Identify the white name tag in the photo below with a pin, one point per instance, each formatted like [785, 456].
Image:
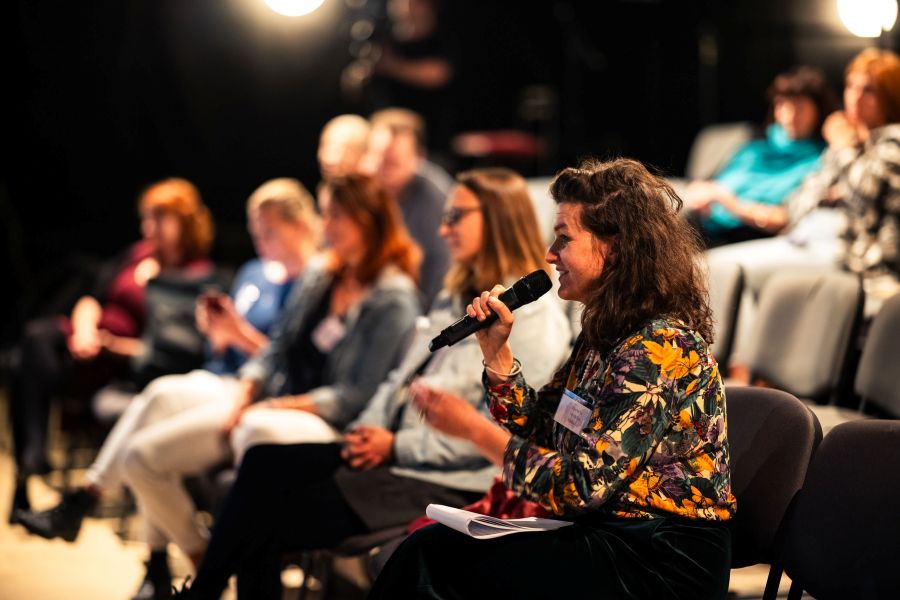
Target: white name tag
[328, 333]
[573, 412]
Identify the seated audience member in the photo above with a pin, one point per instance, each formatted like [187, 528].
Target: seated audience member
[342, 145]
[80, 353]
[343, 329]
[285, 229]
[396, 156]
[392, 463]
[453, 416]
[846, 214]
[628, 441]
[738, 204]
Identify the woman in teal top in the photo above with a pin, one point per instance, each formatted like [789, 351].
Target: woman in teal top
[735, 206]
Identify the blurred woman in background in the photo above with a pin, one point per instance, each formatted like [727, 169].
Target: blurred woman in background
[846, 215]
[745, 200]
[344, 327]
[286, 232]
[80, 353]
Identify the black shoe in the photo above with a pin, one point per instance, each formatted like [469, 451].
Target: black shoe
[63, 520]
[20, 501]
[184, 593]
[157, 584]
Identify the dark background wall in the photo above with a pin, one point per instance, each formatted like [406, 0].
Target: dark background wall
[104, 96]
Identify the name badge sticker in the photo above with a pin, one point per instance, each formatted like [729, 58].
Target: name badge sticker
[328, 333]
[573, 412]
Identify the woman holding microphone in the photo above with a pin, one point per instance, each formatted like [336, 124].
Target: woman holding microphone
[628, 440]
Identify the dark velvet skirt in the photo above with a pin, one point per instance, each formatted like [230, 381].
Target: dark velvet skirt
[658, 559]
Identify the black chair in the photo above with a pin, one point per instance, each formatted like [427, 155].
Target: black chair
[772, 436]
[843, 538]
[320, 563]
[172, 343]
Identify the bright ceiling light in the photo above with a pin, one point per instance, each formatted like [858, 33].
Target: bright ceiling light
[294, 8]
[867, 18]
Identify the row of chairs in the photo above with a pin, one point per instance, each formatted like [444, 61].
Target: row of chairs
[823, 514]
[808, 329]
[821, 510]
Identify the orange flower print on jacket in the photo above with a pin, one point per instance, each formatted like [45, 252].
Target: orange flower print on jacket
[656, 442]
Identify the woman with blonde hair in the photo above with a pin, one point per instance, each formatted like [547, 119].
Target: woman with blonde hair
[80, 353]
[390, 462]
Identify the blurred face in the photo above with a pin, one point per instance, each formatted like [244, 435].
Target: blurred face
[462, 225]
[339, 151]
[392, 157]
[344, 235]
[797, 115]
[273, 237]
[163, 228]
[576, 254]
[411, 14]
[861, 102]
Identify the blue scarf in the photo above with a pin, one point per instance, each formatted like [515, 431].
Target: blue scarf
[766, 171]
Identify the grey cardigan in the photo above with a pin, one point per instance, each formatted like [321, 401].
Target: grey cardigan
[540, 339]
[377, 332]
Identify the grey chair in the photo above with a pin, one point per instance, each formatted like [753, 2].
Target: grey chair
[876, 376]
[772, 437]
[843, 538]
[726, 284]
[713, 146]
[879, 364]
[806, 322]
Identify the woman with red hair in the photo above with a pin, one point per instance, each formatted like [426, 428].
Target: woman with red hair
[81, 352]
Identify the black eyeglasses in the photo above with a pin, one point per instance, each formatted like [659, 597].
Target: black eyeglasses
[454, 215]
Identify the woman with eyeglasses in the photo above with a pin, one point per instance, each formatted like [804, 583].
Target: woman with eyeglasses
[391, 463]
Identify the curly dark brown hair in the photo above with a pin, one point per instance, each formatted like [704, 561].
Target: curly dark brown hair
[653, 268]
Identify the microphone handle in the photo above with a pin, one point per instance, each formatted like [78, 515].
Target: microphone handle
[468, 325]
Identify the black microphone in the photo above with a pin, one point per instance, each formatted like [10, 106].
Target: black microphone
[528, 289]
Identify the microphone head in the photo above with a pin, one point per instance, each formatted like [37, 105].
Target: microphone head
[532, 286]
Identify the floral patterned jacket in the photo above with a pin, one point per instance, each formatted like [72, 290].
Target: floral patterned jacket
[655, 443]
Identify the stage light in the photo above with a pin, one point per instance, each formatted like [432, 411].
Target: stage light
[867, 18]
[294, 8]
